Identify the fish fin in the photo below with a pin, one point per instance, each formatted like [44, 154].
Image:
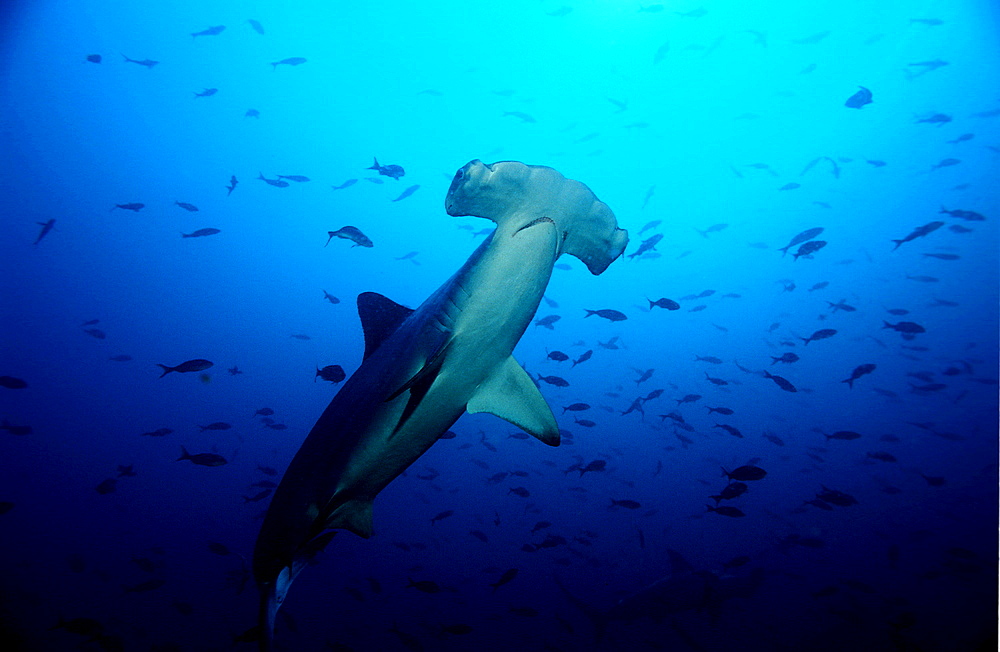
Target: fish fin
[354, 515]
[510, 394]
[380, 317]
[421, 381]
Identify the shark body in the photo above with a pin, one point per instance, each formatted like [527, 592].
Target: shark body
[424, 368]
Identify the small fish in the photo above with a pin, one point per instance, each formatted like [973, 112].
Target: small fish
[232, 185]
[936, 118]
[882, 456]
[547, 321]
[780, 382]
[626, 503]
[333, 373]
[746, 473]
[291, 61]
[351, 233]
[689, 398]
[425, 586]
[107, 486]
[607, 313]
[208, 92]
[15, 430]
[594, 466]
[553, 380]
[646, 245]
[443, 515]
[520, 115]
[257, 27]
[191, 208]
[211, 31]
[726, 510]
[558, 356]
[859, 99]
[945, 163]
[507, 576]
[809, 248]
[715, 228]
[277, 183]
[202, 459]
[906, 327]
[971, 216]
[787, 358]
[134, 206]
[218, 425]
[790, 186]
[186, 367]
[669, 304]
[200, 233]
[297, 178]
[95, 333]
[821, 334]
[576, 407]
[730, 429]
[218, 548]
[808, 234]
[329, 297]
[406, 193]
[94, 58]
[843, 435]
[519, 491]
[391, 171]
[46, 227]
[348, 183]
[583, 357]
[721, 410]
[858, 372]
[148, 63]
[11, 382]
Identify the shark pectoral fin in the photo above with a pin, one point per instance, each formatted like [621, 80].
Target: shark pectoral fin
[510, 394]
[355, 516]
[380, 317]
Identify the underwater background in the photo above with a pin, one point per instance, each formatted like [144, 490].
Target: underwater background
[728, 129]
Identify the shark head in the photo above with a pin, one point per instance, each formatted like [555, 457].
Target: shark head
[516, 195]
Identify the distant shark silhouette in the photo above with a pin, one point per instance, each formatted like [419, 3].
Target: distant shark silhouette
[424, 368]
[683, 590]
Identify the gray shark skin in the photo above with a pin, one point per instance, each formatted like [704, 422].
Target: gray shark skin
[424, 368]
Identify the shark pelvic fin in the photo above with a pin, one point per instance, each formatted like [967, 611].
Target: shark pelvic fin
[510, 394]
[380, 317]
[354, 515]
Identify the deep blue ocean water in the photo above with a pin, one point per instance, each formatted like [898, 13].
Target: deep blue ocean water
[721, 126]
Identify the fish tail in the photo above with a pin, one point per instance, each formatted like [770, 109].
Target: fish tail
[375, 166]
[898, 242]
[850, 382]
[725, 473]
[166, 369]
[886, 325]
[184, 455]
[589, 313]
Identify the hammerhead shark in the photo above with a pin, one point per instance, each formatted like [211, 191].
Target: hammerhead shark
[422, 369]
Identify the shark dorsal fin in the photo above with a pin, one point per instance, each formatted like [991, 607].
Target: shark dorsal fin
[510, 394]
[380, 317]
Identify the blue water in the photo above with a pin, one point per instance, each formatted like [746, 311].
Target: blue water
[692, 114]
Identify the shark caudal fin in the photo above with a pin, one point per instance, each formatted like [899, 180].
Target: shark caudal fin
[510, 191]
[273, 590]
[510, 394]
